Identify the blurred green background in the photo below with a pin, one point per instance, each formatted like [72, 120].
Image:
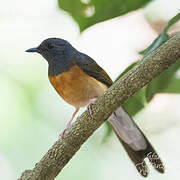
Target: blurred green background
[32, 114]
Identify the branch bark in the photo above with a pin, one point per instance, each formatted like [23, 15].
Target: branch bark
[64, 149]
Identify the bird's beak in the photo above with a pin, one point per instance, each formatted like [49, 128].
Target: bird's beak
[32, 50]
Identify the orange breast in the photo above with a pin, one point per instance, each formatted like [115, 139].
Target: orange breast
[76, 87]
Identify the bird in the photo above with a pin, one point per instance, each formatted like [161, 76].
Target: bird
[79, 80]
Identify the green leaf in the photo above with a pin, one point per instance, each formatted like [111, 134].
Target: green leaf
[163, 83]
[162, 38]
[108, 132]
[156, 43]
[172, 21]
[89, 12]
[136, 102]
[173, 87]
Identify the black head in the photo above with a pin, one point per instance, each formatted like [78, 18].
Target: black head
[54, 49]
[58, 52]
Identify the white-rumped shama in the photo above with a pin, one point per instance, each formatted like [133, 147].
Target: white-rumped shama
[79, 80]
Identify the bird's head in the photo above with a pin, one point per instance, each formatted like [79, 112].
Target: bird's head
[54, 49]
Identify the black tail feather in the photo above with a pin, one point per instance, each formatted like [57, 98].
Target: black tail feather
[138, 157]
[135, 143]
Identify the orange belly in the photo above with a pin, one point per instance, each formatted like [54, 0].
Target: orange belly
[76, 87]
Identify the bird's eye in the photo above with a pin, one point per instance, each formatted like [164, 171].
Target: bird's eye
[50, 46]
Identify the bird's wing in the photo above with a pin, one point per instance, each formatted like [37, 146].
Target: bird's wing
[90, 67]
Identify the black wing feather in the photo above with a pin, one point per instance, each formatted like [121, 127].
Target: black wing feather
[90, 67]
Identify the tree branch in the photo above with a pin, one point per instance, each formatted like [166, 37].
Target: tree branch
[64, 149]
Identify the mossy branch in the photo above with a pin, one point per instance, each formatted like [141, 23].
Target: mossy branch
[64, 149]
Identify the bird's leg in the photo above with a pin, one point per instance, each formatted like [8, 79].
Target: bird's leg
[74, 114]
[69, 123]
[89, 108]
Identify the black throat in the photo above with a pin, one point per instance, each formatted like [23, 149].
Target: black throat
[59, 66]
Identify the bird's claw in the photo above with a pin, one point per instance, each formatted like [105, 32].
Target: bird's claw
[89, 107]
[61, 135]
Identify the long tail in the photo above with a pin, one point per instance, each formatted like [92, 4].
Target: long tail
[135, 142]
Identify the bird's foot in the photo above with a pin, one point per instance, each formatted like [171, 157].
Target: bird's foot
[89, 108]
[61, 135]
